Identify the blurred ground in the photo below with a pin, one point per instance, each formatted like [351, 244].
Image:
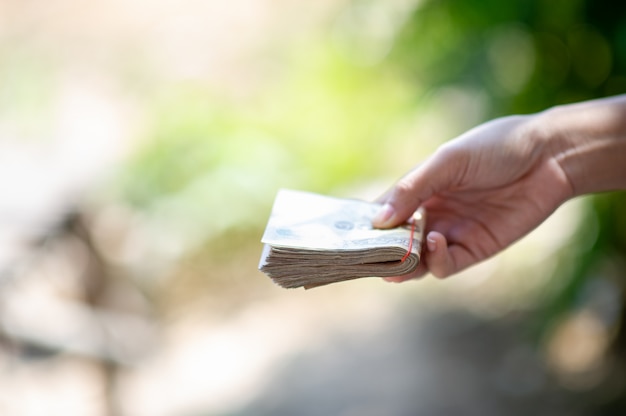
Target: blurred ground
[130, 223]
[422, 362]
[233, 343]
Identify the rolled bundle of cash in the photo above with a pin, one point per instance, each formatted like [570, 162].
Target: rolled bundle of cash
[313, 240]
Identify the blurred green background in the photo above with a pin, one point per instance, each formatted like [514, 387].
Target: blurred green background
[142, 146]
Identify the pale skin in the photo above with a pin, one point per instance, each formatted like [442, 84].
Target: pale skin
[492, 185]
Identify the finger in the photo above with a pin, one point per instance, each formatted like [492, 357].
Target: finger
[412, 190]
[387, 194]
[443, 260]
[437, 256]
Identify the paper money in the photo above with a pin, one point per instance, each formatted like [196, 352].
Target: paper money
[313, 240]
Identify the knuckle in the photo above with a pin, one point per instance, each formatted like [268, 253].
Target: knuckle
[404, 187]
[404, 191]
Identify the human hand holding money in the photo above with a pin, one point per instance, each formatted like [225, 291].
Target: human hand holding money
[313, 240]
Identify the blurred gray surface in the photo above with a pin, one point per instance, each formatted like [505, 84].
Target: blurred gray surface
[447, 363]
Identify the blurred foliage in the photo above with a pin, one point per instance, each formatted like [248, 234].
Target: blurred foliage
[27, 92]
[321, 124]
[527, 56]
[325, 120]
[363, 98]
[213, 162]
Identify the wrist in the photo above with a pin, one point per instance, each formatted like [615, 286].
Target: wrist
[588, 142]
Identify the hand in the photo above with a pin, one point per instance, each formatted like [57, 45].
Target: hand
[481, 191]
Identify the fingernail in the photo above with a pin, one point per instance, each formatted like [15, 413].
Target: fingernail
[383, 217]
[431, 244]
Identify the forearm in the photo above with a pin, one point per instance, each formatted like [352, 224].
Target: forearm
[588, 141]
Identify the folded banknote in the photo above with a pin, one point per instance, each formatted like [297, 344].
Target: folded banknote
[313, 240]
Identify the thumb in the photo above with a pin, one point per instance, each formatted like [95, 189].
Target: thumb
[415, 188]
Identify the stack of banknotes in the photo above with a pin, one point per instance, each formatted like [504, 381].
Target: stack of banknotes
[313, 240]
